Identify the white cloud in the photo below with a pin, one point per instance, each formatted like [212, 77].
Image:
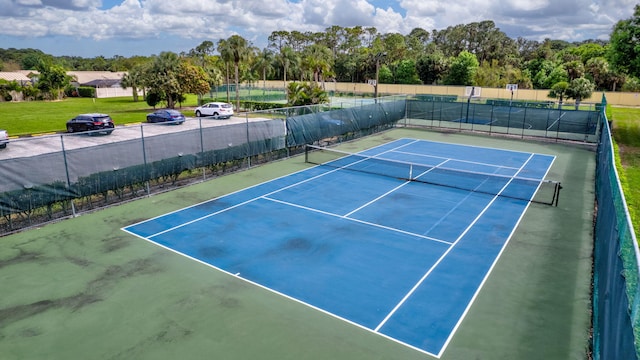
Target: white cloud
[426, 8]
[351, 13]
[529, 5]
[389, 21]
[72, 4]
[197, 20]
[189, 7]
[28, 3]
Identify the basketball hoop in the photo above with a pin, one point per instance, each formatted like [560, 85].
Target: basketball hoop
[512, 88]
[372, 82]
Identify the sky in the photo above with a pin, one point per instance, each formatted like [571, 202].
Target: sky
[90, 28]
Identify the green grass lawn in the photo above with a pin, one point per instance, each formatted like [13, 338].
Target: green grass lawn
[34, 117]
[626, 133]
[37, 117]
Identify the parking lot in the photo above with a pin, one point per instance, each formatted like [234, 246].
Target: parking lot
[37, 145]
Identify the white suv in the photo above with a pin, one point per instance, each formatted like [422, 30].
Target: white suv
[4, 139]
[217, 109]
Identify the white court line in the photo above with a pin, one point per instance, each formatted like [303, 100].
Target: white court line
[460, 203]
[559, 117]
[495, 261]
[392, 190]
[243, 203]
[237, 276]
[432, 268]
[358, 220]
[270, 193]
[474, 146]
[464, 199]
[376, 199]
[254, 186]
[457, 160]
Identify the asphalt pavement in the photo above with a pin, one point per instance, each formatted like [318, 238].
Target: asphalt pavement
[42, 144]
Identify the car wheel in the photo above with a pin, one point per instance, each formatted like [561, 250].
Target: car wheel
[109, 132]
[198, 113]
[2, 146]
[69, 128]
[216, 115]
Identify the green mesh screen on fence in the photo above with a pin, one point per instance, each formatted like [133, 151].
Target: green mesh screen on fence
[48, 181]
[79, 174]
[346, 123]
[524, 119]
[616, 322]
[247, 93]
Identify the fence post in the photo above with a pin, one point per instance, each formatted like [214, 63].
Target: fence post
[66, 170]
[248, 140]
[524, 122]
[144, 160]
[204, 168]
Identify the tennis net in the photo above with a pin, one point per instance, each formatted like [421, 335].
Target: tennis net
[521, 188]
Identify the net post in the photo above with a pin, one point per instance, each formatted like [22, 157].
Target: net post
[306, 153]
[556, 194]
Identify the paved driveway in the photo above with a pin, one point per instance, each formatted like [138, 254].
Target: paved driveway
[30, 146]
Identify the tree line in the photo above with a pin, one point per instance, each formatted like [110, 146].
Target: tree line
[477, 53]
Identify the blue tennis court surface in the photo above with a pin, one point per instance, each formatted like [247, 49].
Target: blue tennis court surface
[400, 258]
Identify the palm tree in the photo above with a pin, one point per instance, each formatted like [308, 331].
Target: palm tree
[559, 90]
[264, 64]
[579, 89]
[216, 77]
[296, 95]
[287, 57]
[240, 51]
[225, 53]
[318, 59]
[133, 80]
[202, 54]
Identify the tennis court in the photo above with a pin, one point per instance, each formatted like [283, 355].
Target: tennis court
[397, 239]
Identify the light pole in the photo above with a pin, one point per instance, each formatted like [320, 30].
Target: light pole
[375, 87]
[378, 57]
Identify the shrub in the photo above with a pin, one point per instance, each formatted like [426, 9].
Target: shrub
[153, 98]
[86, 91]
[80, 91]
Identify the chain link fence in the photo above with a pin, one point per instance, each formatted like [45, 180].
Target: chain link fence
[523, 119]
[68, 179]
[616, 292]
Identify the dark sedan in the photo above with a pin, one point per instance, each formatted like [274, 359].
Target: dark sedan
[91, 122]
[166, 115]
